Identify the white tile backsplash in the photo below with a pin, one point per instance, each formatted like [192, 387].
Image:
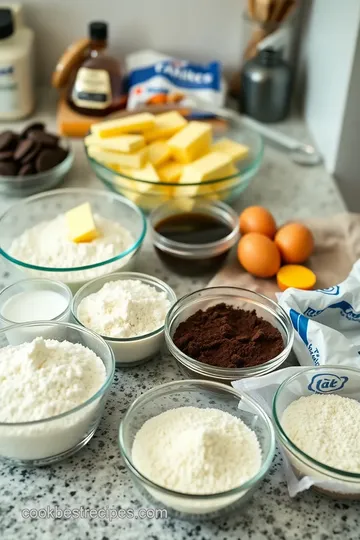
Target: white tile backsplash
[194, 29]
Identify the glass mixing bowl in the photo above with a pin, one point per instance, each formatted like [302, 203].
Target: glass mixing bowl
[33, 210]
[203, 394]
[224, 189]
[52, 439]
[345, 382]
[238, 298]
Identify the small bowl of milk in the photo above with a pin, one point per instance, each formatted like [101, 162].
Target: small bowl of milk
[32, 300]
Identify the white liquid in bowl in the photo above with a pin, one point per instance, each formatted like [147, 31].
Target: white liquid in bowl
[34, 305]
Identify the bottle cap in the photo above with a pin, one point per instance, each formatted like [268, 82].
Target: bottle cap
[6, 23]
[98, 31]
[270, 57]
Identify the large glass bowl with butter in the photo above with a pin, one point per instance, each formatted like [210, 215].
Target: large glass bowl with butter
[46, 207]
[148, 195]
[336, 380]
[239, 299]
[53, 438]
[205, 395]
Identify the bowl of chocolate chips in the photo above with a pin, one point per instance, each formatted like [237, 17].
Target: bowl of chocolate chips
[32, 161]
[228, 333]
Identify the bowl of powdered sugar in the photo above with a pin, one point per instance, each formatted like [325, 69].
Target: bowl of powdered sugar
[317, 420]
[128, 310]
[53, 390]
[36, 241]
[197, 448]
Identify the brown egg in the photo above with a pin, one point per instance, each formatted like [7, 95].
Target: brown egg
[295, 243]
[257, 219]
[259, 255]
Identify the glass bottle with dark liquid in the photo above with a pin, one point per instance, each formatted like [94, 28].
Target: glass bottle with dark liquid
[97, 86]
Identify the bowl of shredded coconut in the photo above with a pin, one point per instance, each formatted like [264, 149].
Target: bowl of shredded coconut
[53, 390]
[199, 449]
[317, 420]
[128, 310]
[36, 241]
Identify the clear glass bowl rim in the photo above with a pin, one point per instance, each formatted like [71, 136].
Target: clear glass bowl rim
[229, 373]
[98, 394]
[174, 385]
[58, 284]
[161, 241]
[289, 445]
[59, 192]
[64, 164]
[243, 174]
[117, 276]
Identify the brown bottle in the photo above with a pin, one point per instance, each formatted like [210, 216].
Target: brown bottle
[97, 86]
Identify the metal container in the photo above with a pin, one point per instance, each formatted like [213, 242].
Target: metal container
[266, 87]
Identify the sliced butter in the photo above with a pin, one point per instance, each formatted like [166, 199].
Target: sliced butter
[158, 153]
[135, 160]
[166, 125]
[234, 149]
[191, 142]
[171, 171]
[121, 143]
[135, 123]
[81, 224]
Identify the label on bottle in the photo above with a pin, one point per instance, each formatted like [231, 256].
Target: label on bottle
[9, 91]
[92, 89]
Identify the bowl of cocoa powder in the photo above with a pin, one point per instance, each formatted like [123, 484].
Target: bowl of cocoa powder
[228, 333]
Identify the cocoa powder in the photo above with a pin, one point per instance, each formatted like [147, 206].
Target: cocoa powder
[228, 337]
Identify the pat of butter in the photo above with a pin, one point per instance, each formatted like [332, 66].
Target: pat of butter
[122, 143]
[142, 192]
[234, 149]
[158, 153]
[209, 167]
[81, 224]
[135, 123]
[191, 142]
[135, 159]
[171, 171]
[166, 125]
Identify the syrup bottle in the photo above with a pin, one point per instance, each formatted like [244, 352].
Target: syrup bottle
[97, 86]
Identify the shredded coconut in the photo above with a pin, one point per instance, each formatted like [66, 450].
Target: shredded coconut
[327, 428]
[45, 378]
[47, 244]
[196, 451]
[123, 309]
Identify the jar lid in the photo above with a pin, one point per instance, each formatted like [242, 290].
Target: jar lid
[6, 23]
[98, 31]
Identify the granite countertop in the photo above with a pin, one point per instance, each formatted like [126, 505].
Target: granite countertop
[96, 476]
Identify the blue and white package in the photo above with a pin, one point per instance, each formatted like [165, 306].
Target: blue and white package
[154, 79]
[326, 322]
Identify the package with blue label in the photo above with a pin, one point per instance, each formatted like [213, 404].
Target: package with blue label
[326, 322]
[157, 79]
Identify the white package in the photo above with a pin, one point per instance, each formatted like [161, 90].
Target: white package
[326, 322]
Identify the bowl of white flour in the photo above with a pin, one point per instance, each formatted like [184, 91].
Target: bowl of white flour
[197, 448]
[128, 311]
[34, 238]
[317, 420]
[53, 390]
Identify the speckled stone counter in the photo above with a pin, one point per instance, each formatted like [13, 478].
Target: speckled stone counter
[96, 477]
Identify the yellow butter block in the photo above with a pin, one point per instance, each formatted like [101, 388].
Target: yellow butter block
[191, 142]
[135, 159]
[158, 153]
[122, 143]
[171, 171]
[81, 224]
[234, 149]
[135, 123]
[166, 125]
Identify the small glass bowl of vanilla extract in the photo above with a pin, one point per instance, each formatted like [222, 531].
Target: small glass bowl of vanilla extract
[193, 237]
